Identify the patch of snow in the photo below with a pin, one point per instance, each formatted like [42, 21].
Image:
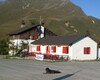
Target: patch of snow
[26, 5]
[72, 26]
[67, 24]
[93, 22]
[75, 30]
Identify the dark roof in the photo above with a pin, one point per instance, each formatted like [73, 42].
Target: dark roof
[59, 40]
[21, 30]
[27, 28]
[99, 44]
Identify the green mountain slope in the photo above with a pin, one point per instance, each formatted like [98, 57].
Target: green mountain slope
[60, 16]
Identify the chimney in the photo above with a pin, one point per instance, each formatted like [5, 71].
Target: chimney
[23, 24]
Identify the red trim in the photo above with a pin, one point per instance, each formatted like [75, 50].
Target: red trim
[47, 50]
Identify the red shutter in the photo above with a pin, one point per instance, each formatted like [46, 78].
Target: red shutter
[85, 50]
[65, 50]
[53, 48]
[38, 48]
[88, 50]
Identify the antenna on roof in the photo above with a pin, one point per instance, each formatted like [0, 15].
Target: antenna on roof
[23, 24]
[40, 20]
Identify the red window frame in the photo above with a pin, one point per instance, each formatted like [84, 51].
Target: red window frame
[47, 49]
[87, 50]
[38, 48]
[53, 48]
[65, 50]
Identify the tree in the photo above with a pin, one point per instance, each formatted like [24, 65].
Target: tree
[23, 50]
[4, 47]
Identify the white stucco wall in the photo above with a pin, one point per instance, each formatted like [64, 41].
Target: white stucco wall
[42, 29]
[32, 48]
[78, 49]
[43, 49]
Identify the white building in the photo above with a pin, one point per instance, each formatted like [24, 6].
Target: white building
[75, 47]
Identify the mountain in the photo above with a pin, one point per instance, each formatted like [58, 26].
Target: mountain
[61, 16]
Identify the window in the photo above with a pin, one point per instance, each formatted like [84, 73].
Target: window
[87, 50]
[38, 48]
[65, 50]
[53, 48]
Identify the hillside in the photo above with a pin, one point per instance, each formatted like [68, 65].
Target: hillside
[60, 16]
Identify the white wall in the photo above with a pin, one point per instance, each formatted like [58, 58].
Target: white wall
[32, 48]
[42, 29]
[78, 49]
[43, 49]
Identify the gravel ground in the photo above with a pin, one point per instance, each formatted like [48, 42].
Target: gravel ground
[12, 69]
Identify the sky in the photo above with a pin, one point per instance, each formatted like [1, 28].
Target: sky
[90, 7]
[2, 0]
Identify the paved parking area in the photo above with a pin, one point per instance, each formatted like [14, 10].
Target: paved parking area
[11, 69]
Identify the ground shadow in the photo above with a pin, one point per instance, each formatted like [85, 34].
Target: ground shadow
[66, 76]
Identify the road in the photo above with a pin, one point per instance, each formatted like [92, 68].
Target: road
[12, 69]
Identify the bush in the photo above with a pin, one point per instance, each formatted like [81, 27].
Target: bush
[4, 47]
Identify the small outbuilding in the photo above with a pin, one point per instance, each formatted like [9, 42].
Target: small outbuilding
[73, 47]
